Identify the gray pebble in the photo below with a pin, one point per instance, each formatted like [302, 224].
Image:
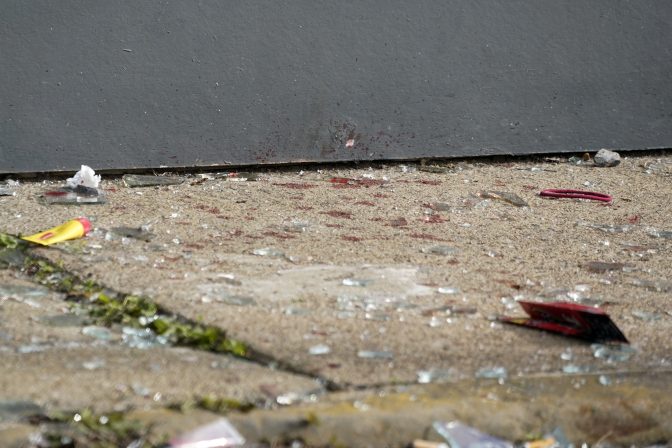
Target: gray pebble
[604, 157]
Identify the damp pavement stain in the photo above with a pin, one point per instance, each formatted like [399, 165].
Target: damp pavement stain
[347, 296]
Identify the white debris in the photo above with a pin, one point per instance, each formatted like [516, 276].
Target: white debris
[85, 177]
[605, 157]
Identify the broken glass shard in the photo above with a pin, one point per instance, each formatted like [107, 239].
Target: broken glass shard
[23, 291]
[605, 380]
[612, 352]
[646, 316]
[608, 228]
[74, 196]
[499, 373]
[139, 233]
[269, 252]
[319, 349]
[657, 286]
[509, 198]
[447, 290]
[100, 333]
[440, 250]
[573, 369]
[220, 433]
[375, 354]
[435, 375]
[459, 435]
[142, 338]
[666, 234]
[136, 180]
[600, 267]
[356, 282]
[94, 364]
[296, 226]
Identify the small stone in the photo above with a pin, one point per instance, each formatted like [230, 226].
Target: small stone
[604, 157]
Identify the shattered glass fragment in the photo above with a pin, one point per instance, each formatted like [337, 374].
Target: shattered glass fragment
[447, 290]
[9, 188]
[498, 372]
[612, 352]
[605, 380]
[100, 333]
[295, 311]
[142, 338]
[137, 180]
[646, 316]
[572, 369]
[435, 375]
[440, 250]
[269, 252]
[654, 233]
[509, 198]
[94, 364]
[74, 196]
[659, 167]
[139, 233]
[296, 226]
[374, 354]
[356, 282]
[220, 433]
[459, 435]
[657, 286]
[320, 349]
[607, 228]
[600, 267]
[23, 292]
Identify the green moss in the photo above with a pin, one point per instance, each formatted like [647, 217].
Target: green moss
[86, 428]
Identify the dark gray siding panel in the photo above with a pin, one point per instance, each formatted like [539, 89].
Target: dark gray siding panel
[130, 84]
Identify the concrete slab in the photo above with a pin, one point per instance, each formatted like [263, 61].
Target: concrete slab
[58, 361]
[201, 264]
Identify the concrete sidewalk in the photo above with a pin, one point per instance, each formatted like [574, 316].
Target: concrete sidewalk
[352, 282]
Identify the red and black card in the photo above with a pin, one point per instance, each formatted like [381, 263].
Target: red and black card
[569, 319]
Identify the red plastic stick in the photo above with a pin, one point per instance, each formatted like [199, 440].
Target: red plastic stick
[578, 194]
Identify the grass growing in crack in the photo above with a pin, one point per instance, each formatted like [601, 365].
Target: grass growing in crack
[211, 403]
[85, 428]
[108, 307]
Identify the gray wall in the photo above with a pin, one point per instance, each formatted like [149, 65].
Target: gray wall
[130, 84]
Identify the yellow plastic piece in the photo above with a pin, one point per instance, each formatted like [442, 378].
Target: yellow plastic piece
[71, 230]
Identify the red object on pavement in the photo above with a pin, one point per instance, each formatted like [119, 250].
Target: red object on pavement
[577, 194]
[570, 319]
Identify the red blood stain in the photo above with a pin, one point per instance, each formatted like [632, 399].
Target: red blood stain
[338, 214]
[295, 185]
[205, 208]
[351, 238]
[428, 182]
[344, 182]
[634, 219]
[369, 203]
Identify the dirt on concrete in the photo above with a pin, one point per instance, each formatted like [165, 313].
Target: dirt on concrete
[370, 279]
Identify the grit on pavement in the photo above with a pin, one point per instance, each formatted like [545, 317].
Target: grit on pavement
[372, 293]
